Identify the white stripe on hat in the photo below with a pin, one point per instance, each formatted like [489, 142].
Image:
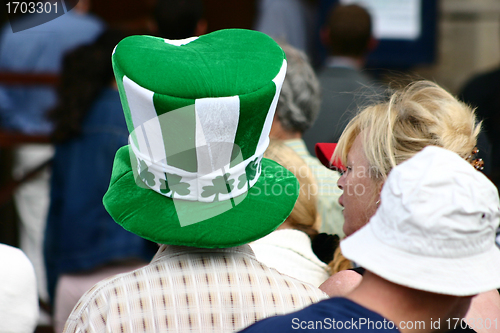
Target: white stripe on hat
[139, 98]
[216, 125]
[278, 81]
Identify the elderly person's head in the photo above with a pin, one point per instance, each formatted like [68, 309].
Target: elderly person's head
[299, 100]
[384, 135]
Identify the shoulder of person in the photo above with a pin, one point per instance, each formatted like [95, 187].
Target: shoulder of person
[341, 283]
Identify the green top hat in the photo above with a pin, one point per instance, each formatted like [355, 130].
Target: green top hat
[199, 112]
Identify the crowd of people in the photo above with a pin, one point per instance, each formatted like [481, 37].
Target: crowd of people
[184, 194]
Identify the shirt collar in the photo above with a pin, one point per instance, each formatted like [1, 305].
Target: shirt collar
[345, 62]
[175, 250]
[298, 146]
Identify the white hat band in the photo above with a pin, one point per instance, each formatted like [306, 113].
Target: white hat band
[219, 185]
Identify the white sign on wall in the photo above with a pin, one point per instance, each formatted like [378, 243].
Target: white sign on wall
[393, 19]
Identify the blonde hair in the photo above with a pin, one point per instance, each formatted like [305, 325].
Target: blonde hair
[420, 115]
[304, 215]
[339, 262]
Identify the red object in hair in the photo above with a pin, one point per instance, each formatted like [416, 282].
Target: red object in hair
[324, 152]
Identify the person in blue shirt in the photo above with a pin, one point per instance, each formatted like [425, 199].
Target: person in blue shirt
[23, 109]
[427, 251]
[83, 244]
[40, 49]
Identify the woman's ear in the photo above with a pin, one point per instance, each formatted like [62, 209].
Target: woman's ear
[276, 129]
[379, 187]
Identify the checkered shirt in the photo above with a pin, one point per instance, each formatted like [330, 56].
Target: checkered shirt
[329, 193]
[187, 289]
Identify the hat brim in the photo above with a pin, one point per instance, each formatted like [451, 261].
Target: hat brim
[463, 276]
[324, 152]
[153, 216]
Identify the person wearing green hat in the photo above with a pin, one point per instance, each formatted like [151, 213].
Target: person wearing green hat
[193, 179]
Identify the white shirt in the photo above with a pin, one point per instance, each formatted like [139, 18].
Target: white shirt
[289, 251]
[18, 292]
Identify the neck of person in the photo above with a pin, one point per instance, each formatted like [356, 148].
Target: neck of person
[278, 132]
[409, 309]
[344, 61]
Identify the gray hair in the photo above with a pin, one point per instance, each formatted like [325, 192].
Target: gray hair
[300, 99]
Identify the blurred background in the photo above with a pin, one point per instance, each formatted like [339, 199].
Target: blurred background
[447, 41]
[462, 37]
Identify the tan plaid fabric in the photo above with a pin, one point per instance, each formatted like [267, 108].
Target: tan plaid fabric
[191, 290]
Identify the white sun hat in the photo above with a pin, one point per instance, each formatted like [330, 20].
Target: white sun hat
[434, 229]
[18, 292]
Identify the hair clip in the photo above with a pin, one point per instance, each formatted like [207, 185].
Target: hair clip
[477, 163]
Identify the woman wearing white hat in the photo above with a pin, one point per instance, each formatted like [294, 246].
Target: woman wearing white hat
[387, 134]
[429, 246]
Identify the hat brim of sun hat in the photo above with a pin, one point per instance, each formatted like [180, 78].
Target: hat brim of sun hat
[155, 217]
[464, 276]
